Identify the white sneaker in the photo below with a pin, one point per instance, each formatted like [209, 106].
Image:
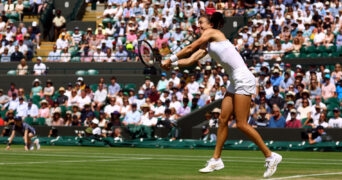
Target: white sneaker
[212, 165]
[271, 164]
[37, 143]
[31, 148]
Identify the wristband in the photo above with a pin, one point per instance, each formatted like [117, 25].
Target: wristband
[174, 64]
[173, 58]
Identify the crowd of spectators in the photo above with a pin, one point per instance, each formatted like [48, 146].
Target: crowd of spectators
[287, 96]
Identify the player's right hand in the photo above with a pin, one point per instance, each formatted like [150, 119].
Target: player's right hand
[166, 65]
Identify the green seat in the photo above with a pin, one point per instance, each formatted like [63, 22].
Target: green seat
[29, 120]
[75, 59]
[331, 49]
[331, 107]
[312, 55]
[321, 49]
[63, 110]
[332, 100]
[12, 72]
[40, 121]
[330, 114]
[81, 73]
[309, 49]
[93, 72]
[334, 54]
[129, 86]
[93, 87]
[290, 56]
[105, 21]
[36, 100]
[26, 4]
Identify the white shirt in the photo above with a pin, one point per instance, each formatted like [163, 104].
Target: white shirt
[82, 101]
[111, 108]
[193, 87]
[99, 57]
[61, 44]
[335, 122]
[100, 96]
[39, 69]
[33, 110]
[97, 131]
[146, 121]
[22, 109]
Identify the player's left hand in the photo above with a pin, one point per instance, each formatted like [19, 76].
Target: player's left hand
[166, 64]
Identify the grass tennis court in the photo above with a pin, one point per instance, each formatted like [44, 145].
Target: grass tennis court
[72, 162]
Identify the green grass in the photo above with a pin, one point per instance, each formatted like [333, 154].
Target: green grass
[66, 162]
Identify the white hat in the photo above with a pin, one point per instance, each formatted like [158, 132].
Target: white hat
[141, 92]
[259, 2]
[95, 121]
[216, 110]
[34, 23]
[80, 79]
[39, 58]
[299, 66]
[98, 47]
[326, 71]
[293, 111]
[201, 86]
[186, 71]
[103, 41]
[208, 68]
[278, 59]
[198, 68]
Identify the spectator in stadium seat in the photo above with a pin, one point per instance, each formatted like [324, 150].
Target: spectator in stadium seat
[49, 89]
[328, 88]
[54, 55]
[293, 122]
[336, 120]
[39, 68]
[86, 54]
[329, 38]
[100, 96]
[277, 120]
[57, 119]
[16, 56]
[337, 73]
[59, 23]
[65, 55]
[44, 110]
[121, 55]
[5, 56]
[99, 55]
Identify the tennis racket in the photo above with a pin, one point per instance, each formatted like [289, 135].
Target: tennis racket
[149, 56]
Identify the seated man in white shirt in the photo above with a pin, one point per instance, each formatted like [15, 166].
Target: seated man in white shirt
[100, 96]
[39, 68]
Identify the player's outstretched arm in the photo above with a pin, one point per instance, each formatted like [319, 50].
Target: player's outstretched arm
[10, 139]
[195, 57]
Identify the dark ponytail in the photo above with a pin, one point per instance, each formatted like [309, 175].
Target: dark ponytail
[217, 20]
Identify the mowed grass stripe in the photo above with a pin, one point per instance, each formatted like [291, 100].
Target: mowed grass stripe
[138, 163]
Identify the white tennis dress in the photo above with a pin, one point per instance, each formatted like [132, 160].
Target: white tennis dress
[242, 80]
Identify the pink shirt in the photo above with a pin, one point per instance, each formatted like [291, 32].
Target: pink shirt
[159, 42]
[44, 112]
[328, 90]
[131, 37]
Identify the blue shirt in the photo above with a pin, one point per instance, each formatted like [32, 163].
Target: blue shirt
[280, 123]
[24, 127]
[276, 80]
[132, 117]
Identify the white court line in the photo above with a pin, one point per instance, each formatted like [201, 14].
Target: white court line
[74, 161]
[308, 175]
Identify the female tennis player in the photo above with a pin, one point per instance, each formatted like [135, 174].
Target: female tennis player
[237, 99]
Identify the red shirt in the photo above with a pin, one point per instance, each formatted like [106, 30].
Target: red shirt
[293, 124]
